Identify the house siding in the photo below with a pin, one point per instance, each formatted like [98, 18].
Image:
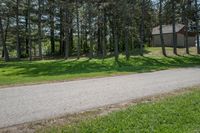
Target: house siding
[191, 41]
[180, 40]
[168, 40]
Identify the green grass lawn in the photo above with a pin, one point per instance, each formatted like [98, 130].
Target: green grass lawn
[175, 114]
[25, 72]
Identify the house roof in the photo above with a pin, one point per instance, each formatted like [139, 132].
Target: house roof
[167, 29]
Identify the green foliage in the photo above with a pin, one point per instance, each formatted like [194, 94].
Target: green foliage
[180, 114]
[105, 16]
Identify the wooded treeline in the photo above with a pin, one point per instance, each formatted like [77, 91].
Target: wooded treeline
[92, 28]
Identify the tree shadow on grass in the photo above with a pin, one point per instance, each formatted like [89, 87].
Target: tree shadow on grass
[86, 66]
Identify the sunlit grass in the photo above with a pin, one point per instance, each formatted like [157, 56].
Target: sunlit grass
[26, 72]
[180, 114]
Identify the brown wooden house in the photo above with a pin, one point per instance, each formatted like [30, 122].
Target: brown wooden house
[168, 36]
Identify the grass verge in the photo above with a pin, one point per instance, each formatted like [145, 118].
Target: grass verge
[180, 114]
[25, 72]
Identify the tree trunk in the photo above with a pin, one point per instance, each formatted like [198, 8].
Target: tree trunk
[29, 31]
[161, 30]
[52, 38]
[2, 55]
[104, 33]
[66, 31]
[85, 44]
[39, 29]
[116, 41]
[71, 40]
[197, 27]
[5, 50]
[81, 36]
[5, 36]
[66, 48]
[112, 34]
[174, 26]
[99, 43]
[116, 46]
[126, 34]
[186, 36]
[62, 31]
[186, 25]
[71, 31]
[90, 32]
[127, 43]
[26, 45]
[142, 29]
[17, 32]
[78, 31]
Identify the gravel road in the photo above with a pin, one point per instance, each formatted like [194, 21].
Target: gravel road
[36, 102]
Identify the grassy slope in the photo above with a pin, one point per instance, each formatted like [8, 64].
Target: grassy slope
[180, 114]
[54, 70]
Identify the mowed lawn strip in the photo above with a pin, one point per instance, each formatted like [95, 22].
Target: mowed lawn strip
[25, 72]
[180, 114]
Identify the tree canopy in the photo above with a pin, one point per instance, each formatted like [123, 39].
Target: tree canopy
[65, 28]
